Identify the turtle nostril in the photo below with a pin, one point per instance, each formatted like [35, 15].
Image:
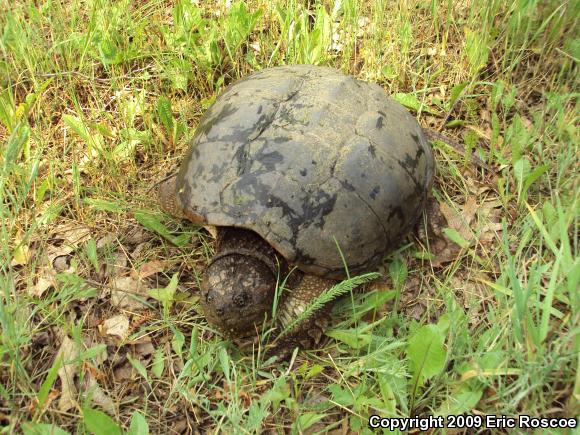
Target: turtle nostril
[220, 311]
[241, 299]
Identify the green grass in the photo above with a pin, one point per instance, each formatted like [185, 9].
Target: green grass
[98, 101]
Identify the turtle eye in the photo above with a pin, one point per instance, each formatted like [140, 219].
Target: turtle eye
[209, 299]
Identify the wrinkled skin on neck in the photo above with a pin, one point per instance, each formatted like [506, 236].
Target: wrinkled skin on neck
[239, 285]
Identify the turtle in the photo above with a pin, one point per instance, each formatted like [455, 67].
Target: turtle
[300, 169]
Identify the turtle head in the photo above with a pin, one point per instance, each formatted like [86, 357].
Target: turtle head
[237, 292]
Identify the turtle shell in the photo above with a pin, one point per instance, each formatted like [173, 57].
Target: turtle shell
[326, 168]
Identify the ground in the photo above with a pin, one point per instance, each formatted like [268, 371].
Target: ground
[101, 330]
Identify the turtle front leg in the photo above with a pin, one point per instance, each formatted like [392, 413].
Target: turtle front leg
[309, 332]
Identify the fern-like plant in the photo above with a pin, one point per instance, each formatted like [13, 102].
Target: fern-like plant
[335, 291]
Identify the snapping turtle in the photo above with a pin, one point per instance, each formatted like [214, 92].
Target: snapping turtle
[298, 167]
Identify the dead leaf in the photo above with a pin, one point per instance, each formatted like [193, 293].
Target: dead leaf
[69, 352]
[416, 310]
[117, 266]
[362, 22]
[124, 372]
[33, 405]
[469, 209]
[123, 292]
[489, 233]
[460, 221]
[337, 38]
[478, 189]
[21, 255]
[485, 115]
[490, 215]
[106, 240]
[431, 51]
[148, 269]
[528, 124]
[98, 396]
[117, 325]
[45, 281]
[137, 235]
[446, 255]
[52, 252]
[144, 349]
[139, 248]
[142, 317]
[180, 426]
[72, 233]
[66, 238]
[62, 264]
[255, 46]
[440, 246]
[93, 371]
[245, 398]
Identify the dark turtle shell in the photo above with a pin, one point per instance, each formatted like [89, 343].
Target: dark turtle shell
[327, 168]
